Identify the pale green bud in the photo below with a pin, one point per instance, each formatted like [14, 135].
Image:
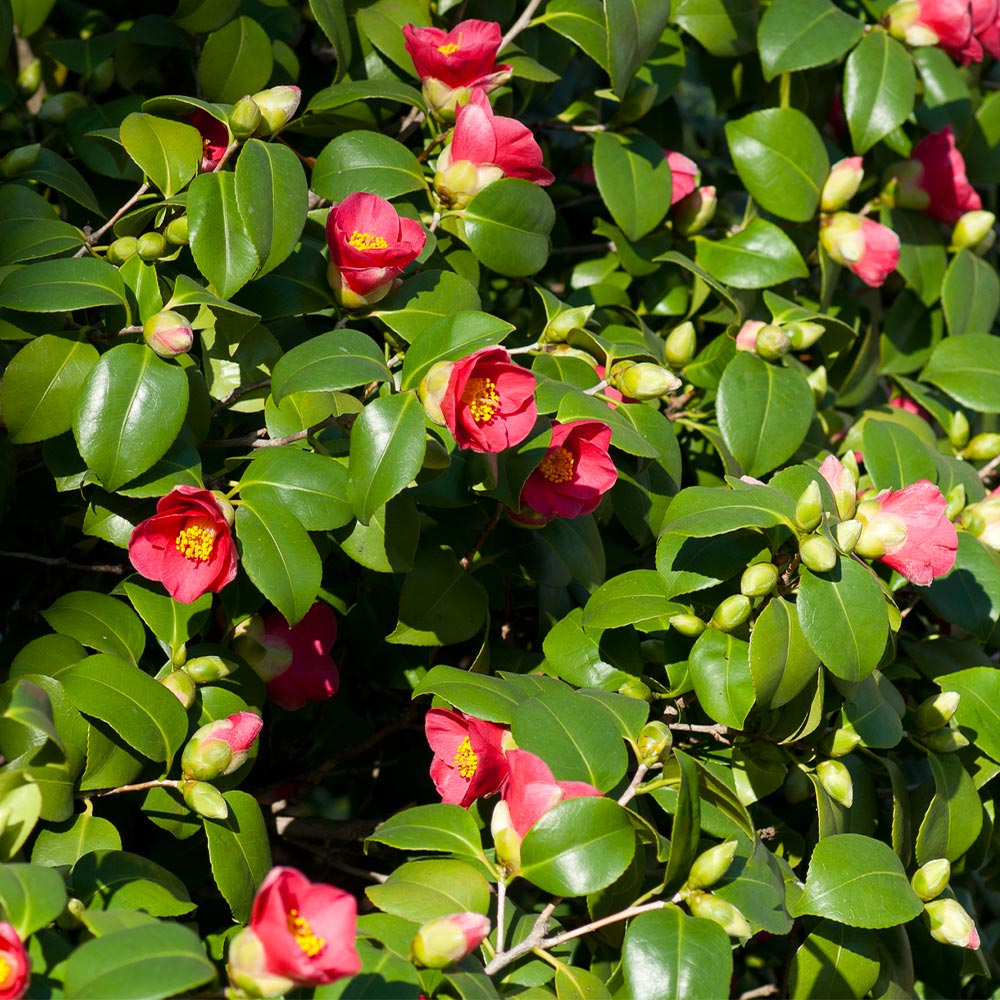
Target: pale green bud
[447, 940]
[982, 447]
[974, 230]
[759, 580]
[247, 968]
[836, 781]
[722, 912]
[122, 249]
[204, 799]
[29, 78]
[654, 743]
[151, 246]
[505, 838]
[688, 625]
[848, 532]
[643, 380]
[206, 669]
[903, 21]
[809, 507]
[560, 326]
[954, 501]
[936, 711]
[680, 345]
[840, 742]
[227, 510]
[944, 740]
[711, 865]
[244, 119]
[168, 334]
[635, 688]
[773, 342]
[880, 533]
[456, 184]
[179, 684]
[731, 613]
[931, 879]
[818, 382]
[804, 334]
[958, 429]
[177, 231]
[902, 186]
[277, 105]
[842, 184]
[950, 924]
[432, 389]
[797, 786]
[818, 553]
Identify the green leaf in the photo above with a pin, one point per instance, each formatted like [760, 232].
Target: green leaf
[438, 827]
[764, 412]
[33, 228]
[341, 359]
[65, 843]
[668, 955]
[273, 197]
[481, 695]
[507, 227]
[755, 886]
[843, 617]
[781, 661]
[221, 246]
[279, 557]
[239, 852]
[781, 160]
[857, 881]
[22, 796]
[979, 709]
[449, 339]
[894, 456]
[583, 23]
[331, 16]
[834, 961]
[922, 258]
[634, 28]
[388, 543]
[143, 712]
[701, 511]
[969, 596]
[424, 890]
[970, 294]
[387, 451]
[686, 830]
[54, 171]
[424, 300]
[967, 368]
[108, 880]
[31, 896]
[100, 622]
[366, 161]
[573, 655]
[633, 177]
[720, 669]
[169, 620]
[236, 60]
[871, 711]
[62, 285]
[758, 256]
[578, 846]
[40, 387]
[578, 984]
[954, 817]
[30, 706]
[800, 34]
[638, 598]
[349, 91]
[187, 292]
[879, 87]
[141, 963]
[168, 152]
[128, 413]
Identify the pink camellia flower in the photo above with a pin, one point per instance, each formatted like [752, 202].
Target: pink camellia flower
[485, 147]
[447, 940]
[684, 175]
[942, 177]
[909, 530]
[985, 28]
[944, 23]
[214, 138]
[910, 406]
[868, 248]
[575, 472]
[746, 336]
[370, 244]
[301, 933]
[488, 403]
[468, 756]
[450, 64]
[531, 790]
[220, 747]
[15, 966]
[186, 545]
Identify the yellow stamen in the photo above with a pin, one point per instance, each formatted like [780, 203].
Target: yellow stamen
[450, 48]
[6, 972]
[195, 542]
[466, 760]
[366, 241]
[482, 399]
[557, 466]
[305, 936]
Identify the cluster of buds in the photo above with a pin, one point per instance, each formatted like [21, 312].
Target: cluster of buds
[707, 870]
[215, 750]
[935, 724]
[982, 519]
[265, 113]
[642, 379]
[946, 918]
[772, 341]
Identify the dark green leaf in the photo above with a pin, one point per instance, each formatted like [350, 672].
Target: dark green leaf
[955, 815]
[686, 830]
[507, 227]
[236, 60]
[332, 18]
[108, 880]
[167, 151]
[425, 300]
[638, 598]
[756, 257]
[62, 285]
[449, 339]
[800, 34]
[979, 709]
[720, 668]
[438, 827]
[970, 294]
[31, 896]
[481, 695]
[895, 456]
[220, 243]
[100, 622]
[341, 359]
[834, 961]
[239, 852]
[879, 85]
[424, 890]
[967, 368]
[366, 161]
[781, 660]
[634, 27]
[633, 177]
[583, 23]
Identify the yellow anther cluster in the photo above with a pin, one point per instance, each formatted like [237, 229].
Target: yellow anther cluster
[195, 542]
[482, 398]
[305, 936]
[557, 466]
[366, 241]
[466, 760]
[450, 48]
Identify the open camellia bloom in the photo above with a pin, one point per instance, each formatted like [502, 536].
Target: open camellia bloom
[488, 403]
[575, 472]
[468, 757]
[868, 248]
[15, 967]
[485, 147]
[370, 244]
[909, 530]
[214, 138]
[531, 790]
[297, 666]
[943, 178]
[186, 545]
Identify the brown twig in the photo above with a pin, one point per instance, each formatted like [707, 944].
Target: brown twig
[60, 561]
[141, 786]
[238, 393]
[93, 237]
[520, 24]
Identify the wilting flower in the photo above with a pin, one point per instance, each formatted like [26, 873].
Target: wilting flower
[942, 188]
[214, 138]
[868, 248]
[301, 933]
[684, 175]
[15, 967]
[370, 244]
[468, 756]
[575, 472]
[220, 747]
[485, 147]
[909, 530]
[186, 545]
[447, 940]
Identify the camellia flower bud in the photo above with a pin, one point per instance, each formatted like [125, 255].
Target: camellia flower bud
[983, 520]
[840, 742]
[982, 447]
[506, 839]
[680, 345]
[937, 711]
[635, 688]
[277, 105]
[19, 161]
[690, 625]
[695, 211]
[432, 389]
[643, 380]
[842, 480]
[818, 553]
[975, 231]
[731, 613]
[151, 246]
[848, 532]
[177, 231]
[954, 501]
[29, 77]
[248, 970]
[958, 429]
[180, 684]
[204, 799]
[759, 580]
[881, 532]
[712, 865]
[654, 743]
[772, 343]
[220, 747]
[206, 669]
[746, 336]
[804, 334]
[836, 781]
[842, 184]
[560, 326]
[809, 507]
[447, 940]
[168, 334]
[944, 740]
[721, 911]
[950, 924]
[797, 786]
[122, 249]
[245, 117]
[931, 879]
[818, 382]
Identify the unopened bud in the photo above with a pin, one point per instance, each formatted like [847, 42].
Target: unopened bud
[721, 911]
[151, 246]
[836, 781]
[179, 684]
[848, 532]
[974, 230]
[982, 447]
[560, 326]
[204, 799]
[842, 184]
[936, 711]
[206, 669]
[635, 688]
[818, 553]
[57, 108]
[840, 742]
[809, 507]
[447, 940]
[245, 117]
[797, 786]
[954, 501]
[818, 382]
[958, 429]
[759, 580]
[248, 968]
[435, 454]
[772, 342]
[680, 345]
[746, 336]
[220, 747]
[122, 250]
[177, 231]
[695, 210]
[689, 625]
[277, 105]
[711, 865]
[643, 380]
[731, 613]
[804, 334]
[842, 237]
[931, 879]
[505, 838]
[226, 509]
[654, 743]
[944, 740]
[432, 389]
[29, 78]
[19, 161]
[168, 334]
[950, 924]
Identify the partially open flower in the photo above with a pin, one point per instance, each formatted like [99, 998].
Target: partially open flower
[868, 248]
[684, 175]
[842, 183]
[447, 940]
[214, 138]
[168, 334]
[220, 747]
[468, 758]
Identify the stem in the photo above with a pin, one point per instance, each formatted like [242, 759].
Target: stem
[629, 792]
[238, 393]
[531, 941]
[59, 561]
[785, 90]
[520, 24]
[614, 918]
[524, 350]
[95, 236]
[989, 468]
[501, 907]
[142, 786]
[594, 389]
[466, 561]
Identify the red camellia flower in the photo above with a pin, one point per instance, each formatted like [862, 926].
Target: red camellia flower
[489, 403]
[945, 23]
[304, 929]
[297, 666]
[575, 473]
[468, 758]
[987, 28]
[214, 138]
[909, 530]
[868, 248]
[531, 790]
[943, 177]
[684, 175]
[15, 967]
[186, 545]
[370, 244]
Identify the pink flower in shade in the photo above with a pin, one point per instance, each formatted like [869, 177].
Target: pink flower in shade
[943, 177]
[531, 790]
[987, 28]
[489, 402]
[909, 530]
[15, 966]
[910, 406]
[186, 545]
[575, 472]
[304, 669]
[868, 248]
[468, 757]
[214, 138]
[944, 23]
[684, 175]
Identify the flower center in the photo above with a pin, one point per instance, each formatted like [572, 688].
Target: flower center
[466, 760]
[195, 542]
[482, 398]
[367, 241]
[450, 48]
[305, 936]
[6, 973]
[557, 466]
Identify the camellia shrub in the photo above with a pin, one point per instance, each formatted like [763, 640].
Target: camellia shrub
[499, 499]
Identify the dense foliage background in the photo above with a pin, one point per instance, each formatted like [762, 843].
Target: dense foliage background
[629, 457]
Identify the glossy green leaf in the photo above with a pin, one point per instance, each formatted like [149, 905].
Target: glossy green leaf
[583, 23]
[573, 655]
[969, 595]
[720, 669]
[437, 827]
[578, 984]
[312, 487]
[955, 815]
[895, 456]
[756, 257]
[481, 695]
[425, 300]
[108, 880]
[449, 339]
[349, 91]
[507, 227]
[128, 412]
[388, 543]
[979, 709]
[970, 294]
[834, 961]
[168, 152]
[800, 34]
[332, 18]
[61, 286]
[239, 852]
[341, 359]
[31, 896]
[33, 228]
[879, 85]
[235, 60]
[922, 258]
[22, 796]
[366, 161]
[967, 368]
[100, 622]
[781, 661]
[633, 177]
[753, 883]
[638, 598]
[701, 511]
[424, 890]
[65, 843]
[188, 292]
[170, 621]
[56, 172]
[382, 25]
[634, 27]
[685, 833]
[873, 711]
